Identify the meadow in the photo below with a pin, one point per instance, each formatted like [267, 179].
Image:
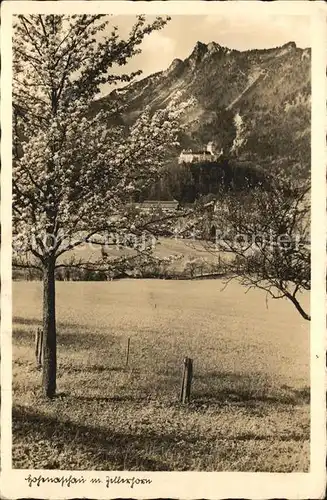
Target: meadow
[249, 409]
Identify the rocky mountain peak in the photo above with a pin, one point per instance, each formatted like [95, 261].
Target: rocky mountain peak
[175, 67]
[213, 47]
[203, 51]
[199, 50]
[199, 46]
[289, 46]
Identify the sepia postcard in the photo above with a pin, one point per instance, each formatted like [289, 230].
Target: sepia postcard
[163, 214]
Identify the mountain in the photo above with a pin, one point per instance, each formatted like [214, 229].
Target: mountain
[255, 104]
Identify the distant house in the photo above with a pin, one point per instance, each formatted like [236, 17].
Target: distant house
[208, 154]
[166, 206]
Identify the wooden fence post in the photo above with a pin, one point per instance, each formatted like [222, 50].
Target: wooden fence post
[127, 353]
[186, 380]
[39, 347]
[37, 343]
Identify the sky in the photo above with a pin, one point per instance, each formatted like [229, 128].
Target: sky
[178, 38]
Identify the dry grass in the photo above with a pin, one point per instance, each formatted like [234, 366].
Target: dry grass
[250, 404]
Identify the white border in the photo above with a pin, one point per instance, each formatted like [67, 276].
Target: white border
[184, 485]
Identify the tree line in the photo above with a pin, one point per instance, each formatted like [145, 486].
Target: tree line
[186, 183]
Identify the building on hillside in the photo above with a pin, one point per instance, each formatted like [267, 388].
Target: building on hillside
[166, 206]
[208, 154]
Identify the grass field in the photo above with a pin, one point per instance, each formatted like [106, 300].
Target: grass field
[250, 395]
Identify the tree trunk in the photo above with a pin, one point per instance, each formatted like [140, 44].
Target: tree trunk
[49, 372]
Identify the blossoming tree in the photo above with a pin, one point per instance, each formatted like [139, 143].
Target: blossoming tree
[262, 236]
[73, 171]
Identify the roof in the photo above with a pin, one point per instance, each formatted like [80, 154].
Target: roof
[161, 203]
[205, 152]
[158, 203]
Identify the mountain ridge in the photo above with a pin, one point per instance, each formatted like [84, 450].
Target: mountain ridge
[268, 89]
